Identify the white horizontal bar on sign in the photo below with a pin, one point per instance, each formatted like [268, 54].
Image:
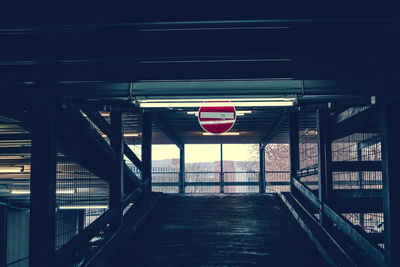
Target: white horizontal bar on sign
[217, 122]
[216, 115]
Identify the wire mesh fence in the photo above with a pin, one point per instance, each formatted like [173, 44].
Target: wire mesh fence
[81, 197]
[277, 181]
[308, 149]
[362, 148]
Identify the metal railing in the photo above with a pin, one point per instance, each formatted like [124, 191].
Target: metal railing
[216, 182]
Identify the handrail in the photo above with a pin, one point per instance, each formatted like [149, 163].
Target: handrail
[373, 252]
[68, 250]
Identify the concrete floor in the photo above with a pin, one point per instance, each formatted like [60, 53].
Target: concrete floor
[219, 230]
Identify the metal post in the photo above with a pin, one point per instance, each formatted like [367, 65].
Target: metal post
[80, 220]
[324, 161]
[294, 146]
[360, 179]
[43, 188]
[146, 149]
[221, 173]
[3, 236]
[391, 198]
[182, 169]
[117, 183]
[262, 169]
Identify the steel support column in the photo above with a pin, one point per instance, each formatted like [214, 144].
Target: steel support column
[146, 150]
[294, 146]
[325, 185]
[391, 198]
[117, 183]
[3, 236]
[43, 188]
[262, 169]
[182, 169]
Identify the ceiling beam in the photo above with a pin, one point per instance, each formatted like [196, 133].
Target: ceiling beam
[274, 130]
[160, 122]
[15, 137]
[15, 150]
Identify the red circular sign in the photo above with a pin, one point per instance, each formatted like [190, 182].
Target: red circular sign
[217, 120]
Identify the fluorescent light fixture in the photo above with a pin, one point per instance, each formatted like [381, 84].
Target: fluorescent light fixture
[228, 133]
[27, 192]
[312, 132]
[125, 135]
[11, 169]
[217, 99]
[65, 191]
[131, 135]
[81, 207]
[20, 192]
[101, 113]
[104, 114]
[217, 104]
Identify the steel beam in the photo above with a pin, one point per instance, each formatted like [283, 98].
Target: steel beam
[356, 166]
[182, 169]
[15, 150]
[15, 137]
[132, 197]
[167, 130]
[364, 122]
[325, 185]
[294, 146]
[43, 188]
[274, 130]
[117, 181]
[105, 127]
[83, 143]
[262, 169]
[390, 132]
[146, 150]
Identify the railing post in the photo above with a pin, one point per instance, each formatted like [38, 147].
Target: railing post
[324, 161]
[221, 173]
[262, 169]
[182, 169]
[146, 149]
[80, 220]
[390, 132]
[294, 146]
[43, 188]
[117, 183]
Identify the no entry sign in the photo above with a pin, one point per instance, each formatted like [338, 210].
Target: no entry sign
[217, 120]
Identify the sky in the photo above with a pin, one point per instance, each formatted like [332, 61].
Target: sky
[200, 153]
